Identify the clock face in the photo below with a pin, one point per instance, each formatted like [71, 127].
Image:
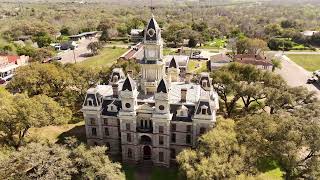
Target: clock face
[151, 32]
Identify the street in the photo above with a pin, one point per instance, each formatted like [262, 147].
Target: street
[79, 54]
[295, 75]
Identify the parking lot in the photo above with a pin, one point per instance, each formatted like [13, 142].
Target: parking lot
[77, 55]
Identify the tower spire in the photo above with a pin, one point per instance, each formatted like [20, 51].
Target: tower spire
[151, 8]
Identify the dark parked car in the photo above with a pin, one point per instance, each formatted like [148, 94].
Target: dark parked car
[312, 80]
[2, 81]
[57, 58]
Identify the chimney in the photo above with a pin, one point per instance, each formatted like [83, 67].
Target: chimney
[130, 72]
[183, 95]
[115, 90]
[188, 78]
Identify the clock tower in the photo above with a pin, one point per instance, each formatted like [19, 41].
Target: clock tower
[152, 65]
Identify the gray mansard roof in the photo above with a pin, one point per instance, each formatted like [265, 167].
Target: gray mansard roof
[181, 60]
[162, 87]
[128, 84]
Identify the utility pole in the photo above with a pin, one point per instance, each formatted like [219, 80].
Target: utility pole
[74, 56]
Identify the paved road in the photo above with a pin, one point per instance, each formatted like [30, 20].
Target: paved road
[79, 54]
[295, 75]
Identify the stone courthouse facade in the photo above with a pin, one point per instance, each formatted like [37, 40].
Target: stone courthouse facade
[154, 117]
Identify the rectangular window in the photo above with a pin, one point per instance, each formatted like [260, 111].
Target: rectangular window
[128, 126]
[172, 153]
[204, 111]
[173, 127]
[92, 121]
[160, 140]
[129, 153]
[161, 157]
[105, 122]
[188, 139]
[90, 102]
[189, 128]
[106, 131]
[173, 137]
[161, 129]
[94, 131]
[202, 130]
[128, 137]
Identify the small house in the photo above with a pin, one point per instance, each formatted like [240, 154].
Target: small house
[136, 35]
[260, 61]
[218, 60]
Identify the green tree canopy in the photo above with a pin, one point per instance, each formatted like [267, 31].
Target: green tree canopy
[294, 142]
[67, 84]
[53, 161]
[19, 113]
[218, 155]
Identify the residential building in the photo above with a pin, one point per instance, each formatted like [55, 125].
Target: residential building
[260, 61]
[218, 60]
[8, 64]
[136, 35]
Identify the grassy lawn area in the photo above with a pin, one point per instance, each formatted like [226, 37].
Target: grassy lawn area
[57, 133]
[168, 51]
[162, 173]
[196, 66]
[156, 173]
[106, 57]
[310, 62]
[217, 43]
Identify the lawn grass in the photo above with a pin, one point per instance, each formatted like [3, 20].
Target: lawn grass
[157, 173]
[217, 43]
[275, 174]
[55, 134]
[192, 66]
[129, 172]
[163, 173]
[168, 51]
[105, 58]
[310, 62]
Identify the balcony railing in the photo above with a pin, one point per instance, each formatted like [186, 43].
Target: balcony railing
[145, 130]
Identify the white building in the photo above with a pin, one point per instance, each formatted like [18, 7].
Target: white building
[152, 118]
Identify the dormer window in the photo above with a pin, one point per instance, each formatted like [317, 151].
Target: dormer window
[204, 110]
[90, 102]
[183, 112]
[112, 108]
[204, 83]
[115, 78]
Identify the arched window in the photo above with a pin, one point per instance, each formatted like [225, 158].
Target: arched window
[90, 102]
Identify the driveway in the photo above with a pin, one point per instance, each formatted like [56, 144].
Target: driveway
[295, 75]
[79, 54]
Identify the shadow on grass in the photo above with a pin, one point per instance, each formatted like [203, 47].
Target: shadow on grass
[78, 132]
[133, 172]
[129, 172]
[267, 164]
